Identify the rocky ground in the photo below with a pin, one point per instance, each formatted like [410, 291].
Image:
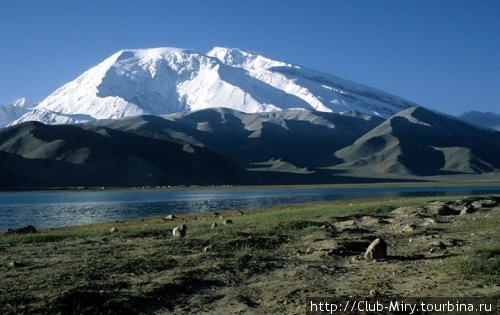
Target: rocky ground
[257, 262]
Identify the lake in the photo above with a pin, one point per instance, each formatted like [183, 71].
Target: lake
[64, 208]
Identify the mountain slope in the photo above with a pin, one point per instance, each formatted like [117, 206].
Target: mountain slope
[421, 142]
[481, 119]
[302, 138]
[37, 155]
[160, 81]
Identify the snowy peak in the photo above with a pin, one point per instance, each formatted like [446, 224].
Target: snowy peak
[14, 110]
[239, 58]
[160, 81]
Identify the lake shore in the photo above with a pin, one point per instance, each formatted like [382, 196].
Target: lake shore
[266, 260]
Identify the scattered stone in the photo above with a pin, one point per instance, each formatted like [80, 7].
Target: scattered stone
[408, 228]
[207, 248]
[179, 231]
[406, 211]
[23, 230]
[485, 203]
[442, 209]
[342, 225]
[214, 225]
[376, 250]
[428, 221]
[368, 220]
[113, 230]
[467, 209]
[227, 221]
[14, 264]
[170, 217]
[437, 244]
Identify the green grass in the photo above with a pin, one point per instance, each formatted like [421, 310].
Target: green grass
[481, 265]
[142, 261]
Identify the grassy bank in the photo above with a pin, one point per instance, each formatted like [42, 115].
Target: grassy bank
[268, 260]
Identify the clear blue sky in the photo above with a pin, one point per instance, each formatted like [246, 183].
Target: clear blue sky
[437, 53]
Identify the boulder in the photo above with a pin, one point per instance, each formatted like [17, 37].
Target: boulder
[214, 225]
[442, 209]
[376, 250]
[179, 231]
[227, 221]
[170, 217]
[113, 230]
[467, 209]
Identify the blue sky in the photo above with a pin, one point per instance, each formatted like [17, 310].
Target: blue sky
[437, 53]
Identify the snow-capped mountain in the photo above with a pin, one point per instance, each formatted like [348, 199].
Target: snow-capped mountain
[160, 81]
[14, 110]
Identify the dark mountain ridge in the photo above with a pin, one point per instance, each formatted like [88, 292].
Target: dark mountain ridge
[225, 146]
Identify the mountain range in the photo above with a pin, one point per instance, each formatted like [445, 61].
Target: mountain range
[169, 116]
[224, 146]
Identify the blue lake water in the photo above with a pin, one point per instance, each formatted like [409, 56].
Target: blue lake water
[63, 208]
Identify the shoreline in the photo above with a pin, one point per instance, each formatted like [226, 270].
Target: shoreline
[429, 183]
[338, 199]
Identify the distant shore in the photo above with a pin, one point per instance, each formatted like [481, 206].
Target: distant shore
[236, 187]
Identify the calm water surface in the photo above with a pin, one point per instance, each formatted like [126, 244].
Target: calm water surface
[63, 208]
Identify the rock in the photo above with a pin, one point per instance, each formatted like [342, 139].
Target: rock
[207, 248]
[408, 228]
[113, 230]
[437, 244]
[428, 221]
[373, 292]
[442, 209]
[370, 221]
[376, 250]
[14, 264]
[23, 230]
[467, 209]
[214, 225]
[406, 211]
[485, 203]
[179, 231]
[227, 221]
[170, 217]
[104, 240]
